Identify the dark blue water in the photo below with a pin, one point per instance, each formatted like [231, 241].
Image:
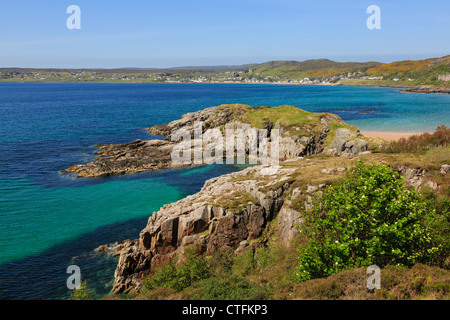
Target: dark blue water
[49, 221]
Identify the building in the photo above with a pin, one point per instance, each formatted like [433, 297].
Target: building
[444, 77]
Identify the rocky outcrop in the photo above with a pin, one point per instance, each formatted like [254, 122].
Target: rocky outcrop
[289, 221]
[226, 212]
[127, 158]
[114, 249]
[213, 117]
[347, 142]
[445, 168]
[417, 177]
[307, 137]
[427, 90]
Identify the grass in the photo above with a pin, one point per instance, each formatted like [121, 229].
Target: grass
[419, 282]
[285, 115]
[294, 121]
[235, 200]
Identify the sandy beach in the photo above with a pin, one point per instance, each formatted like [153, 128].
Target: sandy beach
[388, 135]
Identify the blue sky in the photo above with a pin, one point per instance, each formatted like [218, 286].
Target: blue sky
[165, 33]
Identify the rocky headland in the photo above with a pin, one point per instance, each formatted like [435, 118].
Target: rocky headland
[427, 90]
[302, 133]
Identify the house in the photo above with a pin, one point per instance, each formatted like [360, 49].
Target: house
[444, 77]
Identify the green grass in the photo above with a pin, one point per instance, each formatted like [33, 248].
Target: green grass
[285, 115]
[294, 121]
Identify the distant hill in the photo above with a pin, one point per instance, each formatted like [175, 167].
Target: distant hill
[423, 72]
[314, 68]
[220, 68]
[407, 73]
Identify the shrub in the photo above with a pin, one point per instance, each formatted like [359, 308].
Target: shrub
[164, 277]
[175, 277]
[244, 263]
[397, 283]
[83, 293]
[438, 223]
[415, 143]
[365, 218]
[231, 288]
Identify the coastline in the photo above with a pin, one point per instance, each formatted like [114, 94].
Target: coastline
[402, 89]
[390, 135]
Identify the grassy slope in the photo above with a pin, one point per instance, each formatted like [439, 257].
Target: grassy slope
[294, 121]
[309, 68]
[423, 72]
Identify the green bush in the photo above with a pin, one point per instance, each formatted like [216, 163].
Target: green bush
[165, 277]
[244, 263]
[438, 223]
[233, 287]
[175, 277]
[366, 218]
[83, 293]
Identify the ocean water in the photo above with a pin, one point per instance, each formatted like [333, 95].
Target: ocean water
[49, 220]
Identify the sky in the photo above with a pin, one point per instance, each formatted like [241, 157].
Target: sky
[170, 33]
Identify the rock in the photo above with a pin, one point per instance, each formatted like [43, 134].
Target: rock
[205, 220]
[346, 142]
[288, 225]
[243, 243]
[127, 158]
[117, 247]
[426, 89]
[308, 203]
[295, 193]
[445, 168]
[312, 189]
[268, 171]
[416, 177]
[290, 149]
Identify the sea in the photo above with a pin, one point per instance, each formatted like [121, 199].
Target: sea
[50, 220]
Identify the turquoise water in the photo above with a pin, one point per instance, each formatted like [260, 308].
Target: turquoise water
[49, 220]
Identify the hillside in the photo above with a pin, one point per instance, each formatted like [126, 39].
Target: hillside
[310, 68]
[421, 76]
[419, 72]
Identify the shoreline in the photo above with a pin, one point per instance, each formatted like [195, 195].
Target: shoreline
[390, 135]
[421, 89]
